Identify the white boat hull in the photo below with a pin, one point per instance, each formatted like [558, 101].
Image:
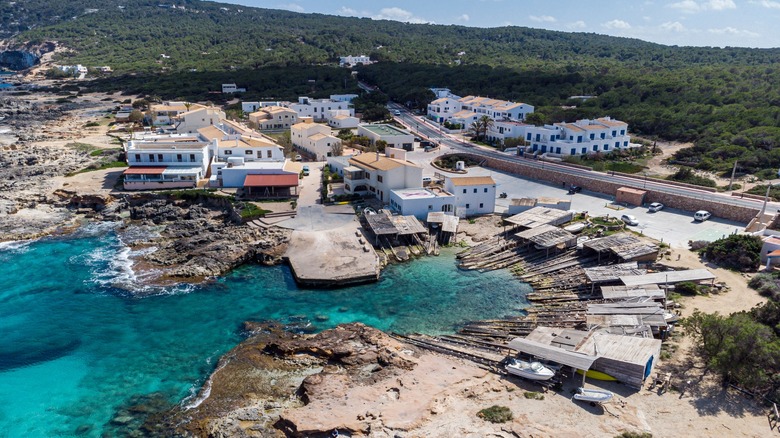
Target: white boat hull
[529, 370]
[593, 395]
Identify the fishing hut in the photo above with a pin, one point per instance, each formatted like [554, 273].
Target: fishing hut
[399, 234]
[546, 237]
[642, 318]
[627, 359]
[443, 225]
[668, 277]
[538, 216]
[622, 247]
[603, 275]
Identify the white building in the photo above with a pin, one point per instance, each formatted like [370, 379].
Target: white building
[314, 139]
[165, 162]
[373, 173]
[421, 201]
[445, 108]
[343, 97]
[474, 195]
[166, 113]
[274, 118]
[502, 130]
[318, 109]
[232, 88]
[395, 137]
[343, 121]
[191, 121]
[250, 107]
[444, 92]
[349, 61]
[579, 138]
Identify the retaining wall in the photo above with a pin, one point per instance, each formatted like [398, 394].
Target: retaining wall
[721, 210]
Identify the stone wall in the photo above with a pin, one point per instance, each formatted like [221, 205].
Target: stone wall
[721, 210]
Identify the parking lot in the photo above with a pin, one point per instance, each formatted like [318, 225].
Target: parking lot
[672, 226]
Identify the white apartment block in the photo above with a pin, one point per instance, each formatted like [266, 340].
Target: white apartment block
[373, 173]
[448, 108]
[474, 195]
[342, 97]
[562, 139]
[314, 139]
[349, 61]
[318, 109]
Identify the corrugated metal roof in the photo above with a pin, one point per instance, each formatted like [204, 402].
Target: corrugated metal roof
[576, 360]
[668, 277]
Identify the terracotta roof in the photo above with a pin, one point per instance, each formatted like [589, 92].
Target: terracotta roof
[571, 126]
[472, 181]
[145, 170]
[317, 136]
[283, 180]
[611, 122]
[211, 132]
[593, 127]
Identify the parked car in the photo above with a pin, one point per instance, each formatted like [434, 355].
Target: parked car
[298, 157]
[701, 215]
[629, 219]
[656, 206]
[397, 113]
[574, 189]
[305, 170]
[427, 180]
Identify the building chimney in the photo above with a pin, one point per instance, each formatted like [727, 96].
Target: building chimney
[377, 155]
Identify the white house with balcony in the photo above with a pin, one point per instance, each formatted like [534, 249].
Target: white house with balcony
[166, 162]
[314, 139]
[454, 109]
[500, 131]
[474, 195]
[343, 121]
[579, 138]
[377, 174]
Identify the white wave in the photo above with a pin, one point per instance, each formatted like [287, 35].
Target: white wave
[16, 246]
[205, 392]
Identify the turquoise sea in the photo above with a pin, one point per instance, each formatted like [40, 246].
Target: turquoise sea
[75, 348]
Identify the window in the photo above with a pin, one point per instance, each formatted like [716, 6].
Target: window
[248, 152]
[268, 153]
[192, 157]
[475, 190]
[579, 139]
[622, 132]
[160, 157]
[467, 205]
[595, 147]
[137, 157]
[606, 147]
[151, 158]
[592, 136]
[178, 158]
[379, 178]
[625, 144]
[614, 133]
[228, 152]
[485, 189]
[481, 205]
[603, 135]
[573, 151]
[464, 191]
[430, 207]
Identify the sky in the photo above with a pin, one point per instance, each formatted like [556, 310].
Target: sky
[717, 23]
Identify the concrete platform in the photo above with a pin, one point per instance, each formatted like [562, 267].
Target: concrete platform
[329, 258]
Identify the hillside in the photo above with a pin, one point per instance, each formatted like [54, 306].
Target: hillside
[726, 100]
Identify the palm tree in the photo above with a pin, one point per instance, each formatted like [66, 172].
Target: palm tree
[486, 123]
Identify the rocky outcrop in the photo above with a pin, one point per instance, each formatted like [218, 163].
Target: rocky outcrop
[18, 60]
[196, 238]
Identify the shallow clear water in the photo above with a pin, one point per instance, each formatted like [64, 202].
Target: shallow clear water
[74, 349]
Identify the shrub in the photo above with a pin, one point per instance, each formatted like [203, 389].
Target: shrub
[766, 285]
[532, 395]
[740, 252]
[632, 434]
[687, 288]
[496, 414]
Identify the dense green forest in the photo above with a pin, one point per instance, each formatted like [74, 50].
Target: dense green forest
[725, 100]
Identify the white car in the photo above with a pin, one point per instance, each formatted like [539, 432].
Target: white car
[397, 113]
[629, 219]
[702, 215]
[655, 206]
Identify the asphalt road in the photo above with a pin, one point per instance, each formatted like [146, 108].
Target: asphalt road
[430, 130]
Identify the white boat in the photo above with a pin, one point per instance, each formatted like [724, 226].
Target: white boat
[593, 395]
[529, 370]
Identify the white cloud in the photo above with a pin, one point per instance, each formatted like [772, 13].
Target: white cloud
[733, 31]
[693, 6]
[542, 18]
[464, 17]
[675, 26]
[347, 11]
[292, 7]
[398, 14]
[616, 24]
[577, 25]
[768, 4]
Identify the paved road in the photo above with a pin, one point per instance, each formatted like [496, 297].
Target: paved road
[430, 130]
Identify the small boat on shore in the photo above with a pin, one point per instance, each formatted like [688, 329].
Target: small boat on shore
[593, 395]
[529, 370]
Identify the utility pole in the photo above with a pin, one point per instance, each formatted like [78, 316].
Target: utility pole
[733, 171]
